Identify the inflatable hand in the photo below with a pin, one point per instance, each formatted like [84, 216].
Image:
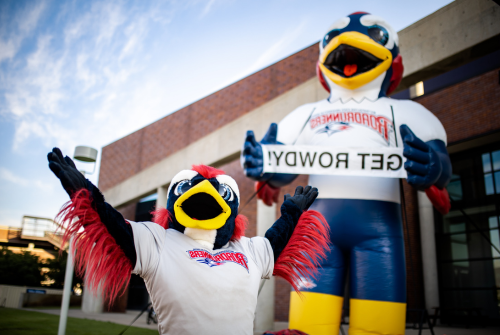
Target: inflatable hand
[423, 164]
[252, 155]
[64, 168]
[303, 197]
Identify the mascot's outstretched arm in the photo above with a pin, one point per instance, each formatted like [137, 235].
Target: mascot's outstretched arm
[105, 250]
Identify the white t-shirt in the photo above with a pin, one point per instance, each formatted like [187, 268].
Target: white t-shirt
[358, 124]
[198, 291]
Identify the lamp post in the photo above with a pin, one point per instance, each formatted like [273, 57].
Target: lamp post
[89, 155]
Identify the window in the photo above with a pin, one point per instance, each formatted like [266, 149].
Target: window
[468, 265]
[491, 170]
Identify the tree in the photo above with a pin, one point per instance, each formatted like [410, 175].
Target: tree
[57, 271]
[24, 269]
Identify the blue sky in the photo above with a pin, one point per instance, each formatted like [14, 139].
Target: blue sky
[90, 72]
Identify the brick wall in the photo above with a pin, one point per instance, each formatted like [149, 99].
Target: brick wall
[147, 146]
[467, 109]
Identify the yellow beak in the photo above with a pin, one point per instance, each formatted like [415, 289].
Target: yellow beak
[202, 207]
[362, 42]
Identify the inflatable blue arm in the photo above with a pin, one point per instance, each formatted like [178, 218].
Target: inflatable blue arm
[427, 163]
[253, 160]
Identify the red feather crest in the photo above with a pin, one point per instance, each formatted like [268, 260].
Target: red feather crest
[207, 171]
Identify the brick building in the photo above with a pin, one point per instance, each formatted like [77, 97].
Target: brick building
[452, 64]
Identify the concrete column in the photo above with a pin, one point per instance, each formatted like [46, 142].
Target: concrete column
[161, 201]
[264, 314]
[92, 300]
[429, 258]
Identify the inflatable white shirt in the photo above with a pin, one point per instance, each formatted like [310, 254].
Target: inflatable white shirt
[355, 124]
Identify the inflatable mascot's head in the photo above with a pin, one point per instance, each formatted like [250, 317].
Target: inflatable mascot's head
[360, 53]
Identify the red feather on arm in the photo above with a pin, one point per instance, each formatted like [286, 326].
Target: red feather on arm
[162, 217]
[306, 247]
[97, 255]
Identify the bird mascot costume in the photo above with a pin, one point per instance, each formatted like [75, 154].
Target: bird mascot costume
[359, 64]
[202, 274]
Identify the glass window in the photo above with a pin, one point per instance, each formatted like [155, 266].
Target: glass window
[496, 160]
[455, 187]
[486, 162]
[493, 222]
[488, 184]
[468, 263]
[491, 170]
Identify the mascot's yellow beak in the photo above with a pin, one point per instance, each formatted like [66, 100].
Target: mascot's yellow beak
[202, 207]
[375, 59]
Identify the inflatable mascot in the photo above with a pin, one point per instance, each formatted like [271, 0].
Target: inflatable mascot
[202, 274]
[359, 64]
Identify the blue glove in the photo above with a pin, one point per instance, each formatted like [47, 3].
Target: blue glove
[252, 159]
[427, 163]
[252, 156]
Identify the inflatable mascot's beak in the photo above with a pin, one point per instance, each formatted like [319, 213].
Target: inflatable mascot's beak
[360, 49]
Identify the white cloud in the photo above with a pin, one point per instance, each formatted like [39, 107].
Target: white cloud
[278, 47]
[11, 177]
[7, 49]
[101, 52]
[28, 20]
[273, 53]
[207, 8]
[24, 24]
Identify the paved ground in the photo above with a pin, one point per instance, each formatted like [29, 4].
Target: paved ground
[126, 319]
[437, 330]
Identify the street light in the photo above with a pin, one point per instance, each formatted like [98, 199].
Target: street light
[89, 155]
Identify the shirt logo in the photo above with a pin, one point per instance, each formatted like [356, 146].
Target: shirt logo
[333, 127]
[220, 258]
[340, 120]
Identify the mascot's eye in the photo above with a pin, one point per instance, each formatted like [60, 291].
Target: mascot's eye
[225, 192]
[329, 36]
[379, 34]
[182, 187]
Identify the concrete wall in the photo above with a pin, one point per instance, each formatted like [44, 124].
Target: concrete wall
[13, 296]
[450, 37]
[55, 300]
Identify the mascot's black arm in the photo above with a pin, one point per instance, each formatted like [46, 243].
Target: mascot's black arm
[73, 181]
[291, 210]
